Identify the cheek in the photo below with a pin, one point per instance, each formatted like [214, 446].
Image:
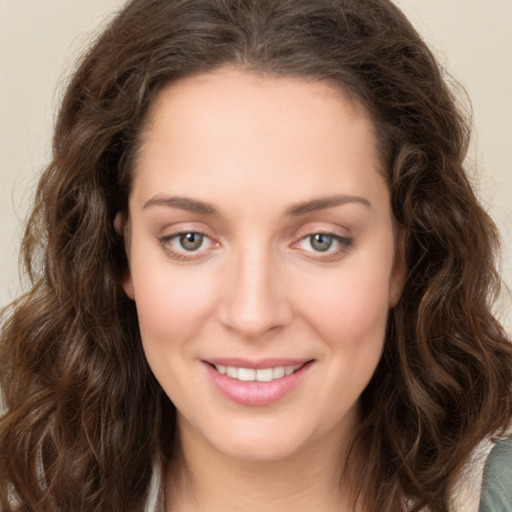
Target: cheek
[352, 304]
[347, 311]
[171, 306]
[172, 310]
[353, 325]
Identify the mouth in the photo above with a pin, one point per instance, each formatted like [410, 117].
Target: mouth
[257, 384]
[257, 374]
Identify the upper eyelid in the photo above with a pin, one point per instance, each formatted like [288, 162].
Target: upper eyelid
[295, 230]
[339, 232]
[180, 228]
[177, 234]
[185, 232]
[327, 227]
[302, 234]
[335, 236]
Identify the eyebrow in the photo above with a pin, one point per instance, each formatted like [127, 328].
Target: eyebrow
[183, 203]
[323, 203]
[193, 205]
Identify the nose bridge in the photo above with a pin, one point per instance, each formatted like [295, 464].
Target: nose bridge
[256, 302]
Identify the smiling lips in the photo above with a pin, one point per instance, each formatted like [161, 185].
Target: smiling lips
[259, 375]
[256, 386]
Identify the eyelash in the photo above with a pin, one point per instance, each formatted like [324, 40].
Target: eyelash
[341, 243]
[184, 254]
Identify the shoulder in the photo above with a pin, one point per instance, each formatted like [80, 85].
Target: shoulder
[496, 493]
[485, 484]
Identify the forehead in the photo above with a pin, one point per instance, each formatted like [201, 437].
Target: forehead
[243, 129]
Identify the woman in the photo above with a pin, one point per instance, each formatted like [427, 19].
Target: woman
[261, 280]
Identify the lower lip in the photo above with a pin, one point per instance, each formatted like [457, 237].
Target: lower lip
[255, 393]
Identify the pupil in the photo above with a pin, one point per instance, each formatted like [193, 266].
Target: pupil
[321, 242]
[191, 241]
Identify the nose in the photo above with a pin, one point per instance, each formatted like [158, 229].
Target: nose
[255, 301]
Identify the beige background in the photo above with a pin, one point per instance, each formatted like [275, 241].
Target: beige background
[40, 39]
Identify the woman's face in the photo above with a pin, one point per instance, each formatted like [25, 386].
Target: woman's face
[262, 260]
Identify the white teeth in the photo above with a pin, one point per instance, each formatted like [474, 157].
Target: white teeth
[246, 374]
[265, 375]
[231, 371]
[259, 375]
[279, 372]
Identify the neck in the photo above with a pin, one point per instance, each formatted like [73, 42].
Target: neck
[202, 479]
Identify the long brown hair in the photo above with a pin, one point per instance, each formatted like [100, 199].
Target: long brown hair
[85, 416]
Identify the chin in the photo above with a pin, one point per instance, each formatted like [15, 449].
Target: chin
[260, 448]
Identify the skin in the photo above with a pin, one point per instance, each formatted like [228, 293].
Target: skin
[257, 150]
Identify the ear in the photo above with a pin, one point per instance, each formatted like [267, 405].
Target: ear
[399, 272]
[119, 223]
[120, 227]
[127, 283]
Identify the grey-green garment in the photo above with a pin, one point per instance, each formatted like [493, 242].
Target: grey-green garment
[497, 480]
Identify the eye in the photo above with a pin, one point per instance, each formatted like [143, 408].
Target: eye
[191, 241]
[321, 242]
[187, 245]
[323, 245]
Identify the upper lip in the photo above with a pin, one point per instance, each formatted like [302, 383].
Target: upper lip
[256, 364]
